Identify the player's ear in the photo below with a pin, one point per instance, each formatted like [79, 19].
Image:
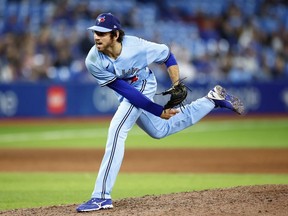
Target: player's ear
[117, 35]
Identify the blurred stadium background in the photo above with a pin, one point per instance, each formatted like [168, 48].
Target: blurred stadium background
[242, 44]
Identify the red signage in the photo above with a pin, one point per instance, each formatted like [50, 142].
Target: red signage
[56, 100]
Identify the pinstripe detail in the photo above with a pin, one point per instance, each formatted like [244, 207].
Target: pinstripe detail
[163, 61]
[107, 82]
[115, 143]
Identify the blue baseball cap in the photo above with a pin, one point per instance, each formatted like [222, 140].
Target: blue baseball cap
[106, 22]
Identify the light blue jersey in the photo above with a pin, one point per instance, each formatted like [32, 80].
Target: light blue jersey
[135, 57]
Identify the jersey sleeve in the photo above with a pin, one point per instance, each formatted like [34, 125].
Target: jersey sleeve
[97, 70]
[157, 53]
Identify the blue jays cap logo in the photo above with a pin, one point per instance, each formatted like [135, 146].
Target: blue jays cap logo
[100, 20]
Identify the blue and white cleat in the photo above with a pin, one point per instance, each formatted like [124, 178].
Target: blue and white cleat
[95, 204]
[224, 100]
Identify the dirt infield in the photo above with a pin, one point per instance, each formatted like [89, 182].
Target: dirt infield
[149, 160]
[265, 200]
[253, 200]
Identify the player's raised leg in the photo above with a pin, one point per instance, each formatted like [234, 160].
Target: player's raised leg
[191, 114]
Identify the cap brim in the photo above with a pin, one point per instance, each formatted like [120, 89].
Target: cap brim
[99, 29]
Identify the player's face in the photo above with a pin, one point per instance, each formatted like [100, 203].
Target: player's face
[102, 40]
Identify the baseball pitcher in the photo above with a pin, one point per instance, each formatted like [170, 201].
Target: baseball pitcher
[121, 62]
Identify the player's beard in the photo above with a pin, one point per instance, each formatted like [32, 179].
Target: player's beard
[104, 45]
[100, 47]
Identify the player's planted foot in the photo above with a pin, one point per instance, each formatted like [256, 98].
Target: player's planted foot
[95, 204]
[224, 100]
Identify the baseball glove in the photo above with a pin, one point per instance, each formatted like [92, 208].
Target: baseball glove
[178, 95]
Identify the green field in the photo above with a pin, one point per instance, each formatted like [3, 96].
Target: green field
[253, 133]
[23, 190]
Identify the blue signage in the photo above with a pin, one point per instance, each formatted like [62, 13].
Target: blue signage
[78, 99]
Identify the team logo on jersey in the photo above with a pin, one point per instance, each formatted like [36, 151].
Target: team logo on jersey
[130, 71]
[101, 19]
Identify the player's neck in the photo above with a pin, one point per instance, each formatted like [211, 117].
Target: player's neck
[115, 50]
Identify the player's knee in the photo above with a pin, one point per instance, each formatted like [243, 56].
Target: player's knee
[157, 135]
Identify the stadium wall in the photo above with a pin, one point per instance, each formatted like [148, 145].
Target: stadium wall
[84, 100]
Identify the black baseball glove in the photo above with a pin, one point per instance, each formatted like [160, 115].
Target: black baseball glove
[178, 95]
